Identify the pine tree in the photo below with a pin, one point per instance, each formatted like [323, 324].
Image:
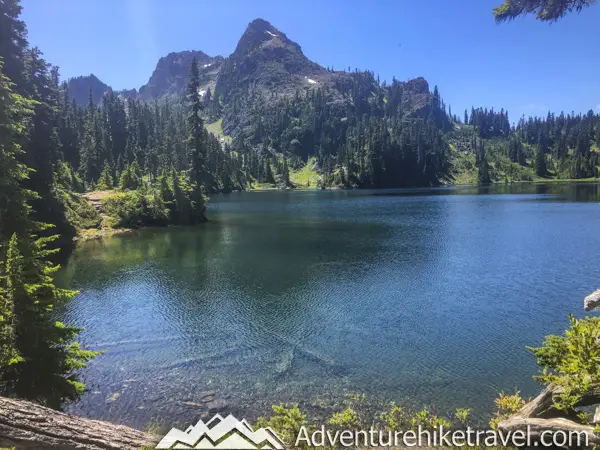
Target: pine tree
[269, 177]
[196, 150]
[195, 124]
[540, 162]
[286, 172]
[40, 359]
[13, 43]
[49, 358]
[483, 173]
[545, 10]
[89, 156]
[14, 113]
[105, 182]
[128, 180]
[9, 354]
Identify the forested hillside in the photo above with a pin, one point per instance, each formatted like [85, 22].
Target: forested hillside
[282, 119]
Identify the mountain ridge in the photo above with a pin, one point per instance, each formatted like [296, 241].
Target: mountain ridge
[264, 57]
[265, 67]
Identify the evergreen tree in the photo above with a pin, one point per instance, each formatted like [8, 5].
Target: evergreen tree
[483, 173]
[13, 42]
[195, 124]
[545, 10]
[540, 162]
[195, 142]
[286, 173]
[105, 181]
[40, 359]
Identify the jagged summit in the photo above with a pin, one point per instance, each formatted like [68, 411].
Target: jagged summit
[265, 67]
[261, 33]
[266, 59]
[171, 73]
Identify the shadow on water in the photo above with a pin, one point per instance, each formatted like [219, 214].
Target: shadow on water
[557, 191]
[426, 296]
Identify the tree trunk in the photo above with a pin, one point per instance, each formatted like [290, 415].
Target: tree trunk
[29, 426]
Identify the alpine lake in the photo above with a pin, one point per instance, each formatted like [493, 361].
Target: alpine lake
[418, 296]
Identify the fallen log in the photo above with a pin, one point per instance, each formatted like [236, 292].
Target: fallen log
[29, 426]
[536, 427]
[539, 405]
[528, 418]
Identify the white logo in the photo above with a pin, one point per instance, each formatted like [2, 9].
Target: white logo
[228, 433]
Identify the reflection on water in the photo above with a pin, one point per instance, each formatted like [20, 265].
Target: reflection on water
[419, 296]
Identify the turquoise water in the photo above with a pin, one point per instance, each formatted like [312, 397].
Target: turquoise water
[424, 297]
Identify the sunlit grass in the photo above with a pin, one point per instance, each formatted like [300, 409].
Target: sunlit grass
[216, 128]
[307, 176]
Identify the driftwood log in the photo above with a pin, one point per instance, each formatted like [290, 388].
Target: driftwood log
[29, 426]
[539, 416]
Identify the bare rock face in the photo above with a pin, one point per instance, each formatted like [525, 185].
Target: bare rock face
[592, 301]
[172, 74]
[29, 426]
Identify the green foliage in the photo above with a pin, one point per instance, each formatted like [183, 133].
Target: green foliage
[462, 414]
[506, 405]
[78, 211]
[39, 357]
[129, 179]
[545, 10]
[285, 421]
[172, 199]
[306, 175]
[397, 418]
[379, 144]
[355, 416]
[216, 128]
[571, 362]
[540, 162]
[45, 357]
[347, 419]
[9, 353]
[557, 147]
[483, 174]
[133, 209]
[105, 182]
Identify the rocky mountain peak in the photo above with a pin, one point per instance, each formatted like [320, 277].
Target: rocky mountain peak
[172, 71]
[261, 34]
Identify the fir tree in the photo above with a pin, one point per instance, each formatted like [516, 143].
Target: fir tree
[40, 358]
[540, 162]
[483, 173]
[105, 181]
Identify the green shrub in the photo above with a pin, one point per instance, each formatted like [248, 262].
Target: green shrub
[285, 421]
[571, 362]
[133, 209]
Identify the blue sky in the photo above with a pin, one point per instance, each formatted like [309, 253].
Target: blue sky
[526, 67]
